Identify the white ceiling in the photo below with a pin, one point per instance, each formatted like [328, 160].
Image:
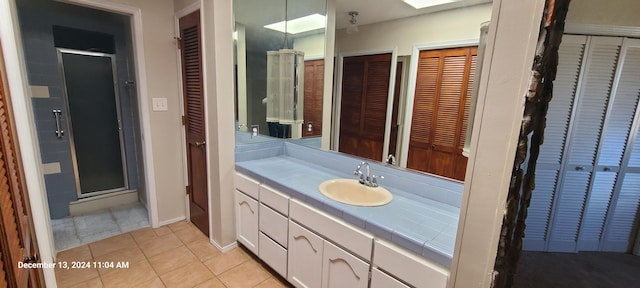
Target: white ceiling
[263, 12]
[374, 11]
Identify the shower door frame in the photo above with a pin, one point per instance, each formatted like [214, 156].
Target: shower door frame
[67, 113]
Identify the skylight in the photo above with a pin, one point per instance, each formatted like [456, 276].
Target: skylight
[419, 4]
[299, 25]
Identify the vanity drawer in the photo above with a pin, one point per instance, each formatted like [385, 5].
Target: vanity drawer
[273, 254]
[274, 199]
[411, 268]
[247, 185]
[352, 238]
[274, 225]
[380, 279]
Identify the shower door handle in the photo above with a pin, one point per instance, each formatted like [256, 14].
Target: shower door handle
[56, 115]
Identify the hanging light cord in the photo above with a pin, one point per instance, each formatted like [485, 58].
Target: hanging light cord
[286, 23]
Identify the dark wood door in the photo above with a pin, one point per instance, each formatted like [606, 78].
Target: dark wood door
[365, 90]
[17, 237]
[313, 91]
[441, 110]
[191, 51]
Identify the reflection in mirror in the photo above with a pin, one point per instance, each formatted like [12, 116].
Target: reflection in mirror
[279, 67]
[413, 106]
[402, 81]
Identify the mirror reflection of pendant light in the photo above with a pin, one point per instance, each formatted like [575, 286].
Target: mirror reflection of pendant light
[285, 79]
[353, 23]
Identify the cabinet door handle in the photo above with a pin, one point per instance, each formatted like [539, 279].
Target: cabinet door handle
[247, 203]
[334, 260]
[305, 238]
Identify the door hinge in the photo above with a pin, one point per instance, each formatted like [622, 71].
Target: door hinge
[187, 189]
[184, 121]
[179, 41]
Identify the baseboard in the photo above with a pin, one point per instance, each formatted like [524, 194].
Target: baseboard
[101, 202]
[171, 221]
[224, 249]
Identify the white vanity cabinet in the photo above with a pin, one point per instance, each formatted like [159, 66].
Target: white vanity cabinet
[274, 229]
[315, 262]
[341, 269]
[413, 269]
[379, 279]
[314, 259]
[247, 212]
[311, 248]
[305, 257]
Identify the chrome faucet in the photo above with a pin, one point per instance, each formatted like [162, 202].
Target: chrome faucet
[368, 180]
[391, 159]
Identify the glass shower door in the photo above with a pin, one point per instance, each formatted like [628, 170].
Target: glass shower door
[93, 121]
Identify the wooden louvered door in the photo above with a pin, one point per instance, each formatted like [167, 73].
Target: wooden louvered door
[440, 111]
[365, 90]
[17, 237]
[313, 90]
[191, 51]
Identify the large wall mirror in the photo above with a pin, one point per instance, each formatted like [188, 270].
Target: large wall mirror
[263, 29]
[402, 80]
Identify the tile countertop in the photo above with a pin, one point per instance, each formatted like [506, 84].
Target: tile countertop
[417, 223]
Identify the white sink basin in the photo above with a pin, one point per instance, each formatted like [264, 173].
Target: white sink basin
[350, 191]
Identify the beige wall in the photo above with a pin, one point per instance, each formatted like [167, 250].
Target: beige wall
[312, 45]
[162, 82]
[618, 12]
[451, 25]
[178, 5]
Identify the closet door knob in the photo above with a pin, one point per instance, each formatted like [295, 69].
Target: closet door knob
[198, 144]
[606, 169]
[579, 168]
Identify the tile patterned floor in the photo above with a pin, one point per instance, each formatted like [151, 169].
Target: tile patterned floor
[74, 231]
[177, 255]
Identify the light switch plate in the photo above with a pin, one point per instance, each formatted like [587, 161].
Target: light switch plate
[160, 104]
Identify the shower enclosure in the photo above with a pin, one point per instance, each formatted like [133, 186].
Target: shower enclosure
[94, 123]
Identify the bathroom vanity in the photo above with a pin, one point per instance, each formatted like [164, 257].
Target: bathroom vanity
[314, 241]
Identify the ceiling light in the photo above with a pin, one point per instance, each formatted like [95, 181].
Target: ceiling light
[353, 23]
[299, 25]
[419, 4]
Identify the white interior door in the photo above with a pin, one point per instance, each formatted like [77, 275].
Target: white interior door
[586, 195]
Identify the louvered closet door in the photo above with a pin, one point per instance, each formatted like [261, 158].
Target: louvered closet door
[551, 153]
[582, 144]
[363, 107]
[608, 169]
[195, 126]
[624, 121]
[442, 91]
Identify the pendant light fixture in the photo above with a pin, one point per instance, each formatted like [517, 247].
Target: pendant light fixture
[284, 83]
[353, 23]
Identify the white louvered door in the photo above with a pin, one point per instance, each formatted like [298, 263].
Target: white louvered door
[586, 198]
[551, 153]
[623, 212]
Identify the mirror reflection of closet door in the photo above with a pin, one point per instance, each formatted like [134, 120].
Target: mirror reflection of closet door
[363, 104]
[441, 107]
[313, 93]
[93, 121]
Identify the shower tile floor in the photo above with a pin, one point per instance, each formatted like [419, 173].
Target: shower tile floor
[75, 231]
